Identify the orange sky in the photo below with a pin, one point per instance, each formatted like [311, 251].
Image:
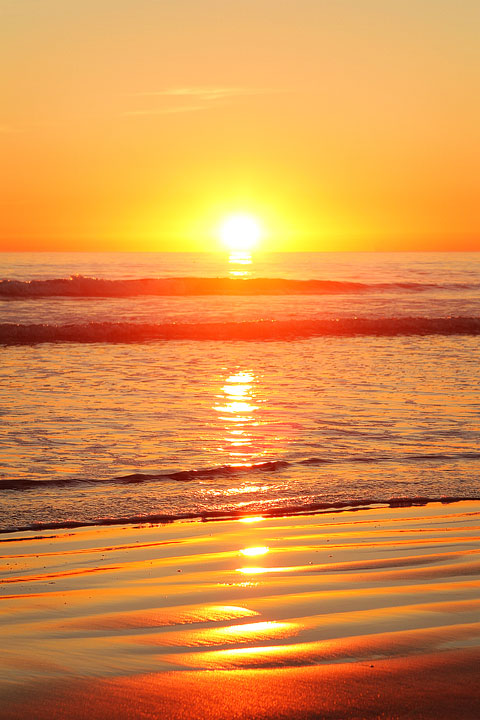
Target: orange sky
[138, 124]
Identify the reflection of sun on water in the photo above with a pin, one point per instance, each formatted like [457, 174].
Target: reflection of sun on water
[239, 407]
[241, 258]
[238, 262]
[241, 377]
[237, 412]
[241, 445]
[239, 489]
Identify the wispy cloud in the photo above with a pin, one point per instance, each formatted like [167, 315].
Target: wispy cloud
[167, 110]
[207, 92]
[173, 99]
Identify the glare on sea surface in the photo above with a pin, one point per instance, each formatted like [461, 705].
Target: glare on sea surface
[236, 408]
[239, 262]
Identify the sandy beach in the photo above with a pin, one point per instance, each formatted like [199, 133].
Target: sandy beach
[367, 613]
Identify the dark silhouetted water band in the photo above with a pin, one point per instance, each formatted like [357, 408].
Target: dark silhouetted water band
[79, 286]
[128, 332]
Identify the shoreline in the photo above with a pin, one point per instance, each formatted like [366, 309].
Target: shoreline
[307, 510]
[347, 614]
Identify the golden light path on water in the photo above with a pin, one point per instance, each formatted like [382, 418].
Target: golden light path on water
[237, 411]
[239, 262]
[248, 433]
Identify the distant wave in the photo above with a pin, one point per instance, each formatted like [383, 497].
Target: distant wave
[222, 471]
[174, 475]
[79, 286]
[126, 332]
[218, 515]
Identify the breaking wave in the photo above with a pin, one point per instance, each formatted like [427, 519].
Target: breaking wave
[80, 286]
[127, 332]
[223, 471]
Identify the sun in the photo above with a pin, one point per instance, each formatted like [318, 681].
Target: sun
[240, 233]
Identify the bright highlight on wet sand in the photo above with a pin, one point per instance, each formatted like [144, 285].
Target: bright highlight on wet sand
[365, 614]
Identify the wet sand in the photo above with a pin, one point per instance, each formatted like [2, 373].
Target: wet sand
[373, 613]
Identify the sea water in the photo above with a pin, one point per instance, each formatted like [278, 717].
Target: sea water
[152, 386]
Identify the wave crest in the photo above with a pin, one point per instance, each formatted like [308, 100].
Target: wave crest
[222, 471]
[80, 286]
[126, 332]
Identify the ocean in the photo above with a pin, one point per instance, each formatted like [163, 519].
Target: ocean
[145, 387]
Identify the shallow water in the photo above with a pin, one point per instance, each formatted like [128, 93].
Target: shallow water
[171, 427]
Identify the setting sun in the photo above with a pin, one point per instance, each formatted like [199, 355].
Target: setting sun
[240, 232]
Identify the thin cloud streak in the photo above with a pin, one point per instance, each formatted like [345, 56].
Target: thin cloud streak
[206, 97]
[167, 110]
[208, 92]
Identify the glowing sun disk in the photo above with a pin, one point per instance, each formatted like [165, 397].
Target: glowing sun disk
[240, 232]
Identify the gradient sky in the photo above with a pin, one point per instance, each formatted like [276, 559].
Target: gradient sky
[139, 124]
